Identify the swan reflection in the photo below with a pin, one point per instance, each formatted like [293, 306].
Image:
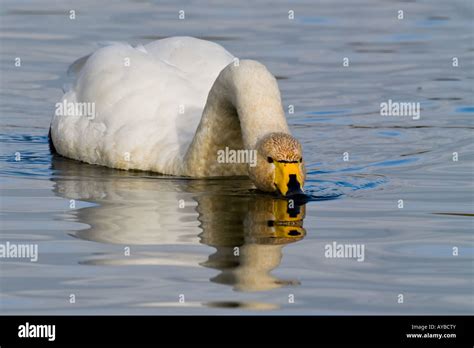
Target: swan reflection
[247, 230]
[249, 240]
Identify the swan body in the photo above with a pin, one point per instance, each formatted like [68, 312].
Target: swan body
[170, 106]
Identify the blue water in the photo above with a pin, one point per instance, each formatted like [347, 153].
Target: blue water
[133, 242]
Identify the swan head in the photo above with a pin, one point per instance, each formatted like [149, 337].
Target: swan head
[280, 167]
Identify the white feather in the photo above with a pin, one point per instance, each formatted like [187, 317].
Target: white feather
[138, 94]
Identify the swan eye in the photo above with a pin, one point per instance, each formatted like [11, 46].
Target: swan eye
[301, 160]
[270, 160]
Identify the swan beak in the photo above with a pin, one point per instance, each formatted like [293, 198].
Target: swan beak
[288, 178]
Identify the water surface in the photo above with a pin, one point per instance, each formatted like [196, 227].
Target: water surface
[182, 234]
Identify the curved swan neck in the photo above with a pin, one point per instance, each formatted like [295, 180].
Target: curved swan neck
[243, 106]
[253, 92]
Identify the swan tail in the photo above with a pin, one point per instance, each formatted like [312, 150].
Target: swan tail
[50, 142]
[77, 65]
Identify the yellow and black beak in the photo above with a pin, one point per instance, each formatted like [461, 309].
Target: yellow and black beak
[289, 178]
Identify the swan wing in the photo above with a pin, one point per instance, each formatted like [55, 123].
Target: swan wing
[147, 102]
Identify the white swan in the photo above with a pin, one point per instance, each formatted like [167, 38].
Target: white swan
[171, 106]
